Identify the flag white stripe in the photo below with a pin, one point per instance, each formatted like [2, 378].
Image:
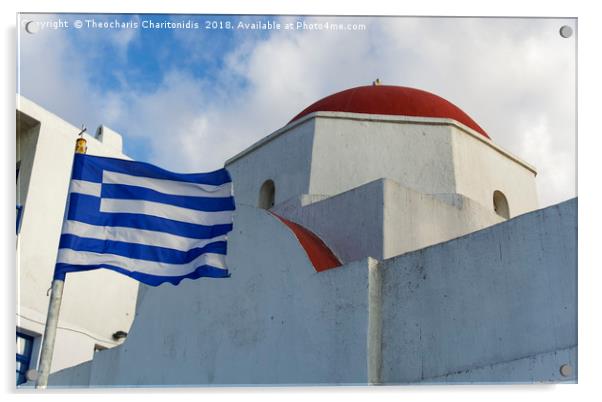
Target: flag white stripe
[69, 256]
[168, 186]
[85, 187]
[138, 236]
[165, 211]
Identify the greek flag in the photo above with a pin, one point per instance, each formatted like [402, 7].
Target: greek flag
[145, 222]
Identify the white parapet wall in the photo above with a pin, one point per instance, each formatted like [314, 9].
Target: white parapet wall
[481, 307]
[382, 219]
[274, 321]
[494, 306]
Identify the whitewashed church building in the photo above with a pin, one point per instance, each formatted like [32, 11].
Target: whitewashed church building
[380, 237]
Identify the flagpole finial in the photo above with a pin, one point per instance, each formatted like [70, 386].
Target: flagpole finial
[81, 144]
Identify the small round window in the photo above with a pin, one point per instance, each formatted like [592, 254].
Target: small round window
[267, 195]
[500, 204]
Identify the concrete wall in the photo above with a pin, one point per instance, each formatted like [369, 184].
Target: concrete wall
[383, 219]
[413, 220]
[284, 157]
[495, 296]
[349, 153]
[482, 168]
[542, 367]
[95, 303]
[328, 153]
[350, 223]
[498, 305]
[274, 321]
[74, 377]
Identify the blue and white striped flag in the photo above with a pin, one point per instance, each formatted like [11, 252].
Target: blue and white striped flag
[145, 222]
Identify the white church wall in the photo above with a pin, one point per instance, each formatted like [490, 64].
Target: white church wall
[383, 219]
[77, 376]
[96, 303]
[413, 220]
[495, 306]
[350, 223]
[482, 169]
[274, 321]
[284, 157]
[353, 149]
[328, 153]
[541, 367]
[505, 293]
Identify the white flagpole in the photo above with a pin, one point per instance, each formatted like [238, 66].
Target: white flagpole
[52, 320]
[54, 308]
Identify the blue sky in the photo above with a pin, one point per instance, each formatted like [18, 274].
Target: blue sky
[151, 52]
[188, 99]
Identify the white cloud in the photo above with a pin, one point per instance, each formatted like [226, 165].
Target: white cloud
[509, 75]
[514, 77]
[556, 166]
[50, 75]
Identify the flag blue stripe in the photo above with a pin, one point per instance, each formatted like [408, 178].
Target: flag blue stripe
[139, 251]
[90, 168]
[86, 208]
[207, 204]
[153, 280]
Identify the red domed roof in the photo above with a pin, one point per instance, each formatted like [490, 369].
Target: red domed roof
[391, 100]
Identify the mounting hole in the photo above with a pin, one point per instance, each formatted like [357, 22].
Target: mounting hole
[31, 27]
[566, 370]
[566, 31]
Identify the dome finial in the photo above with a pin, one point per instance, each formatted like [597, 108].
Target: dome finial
[376, 82]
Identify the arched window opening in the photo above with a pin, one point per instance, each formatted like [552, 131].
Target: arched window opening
[267, 195]
[500, 204]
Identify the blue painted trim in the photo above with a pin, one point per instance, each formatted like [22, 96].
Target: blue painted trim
[25, 358]
[19, 215]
